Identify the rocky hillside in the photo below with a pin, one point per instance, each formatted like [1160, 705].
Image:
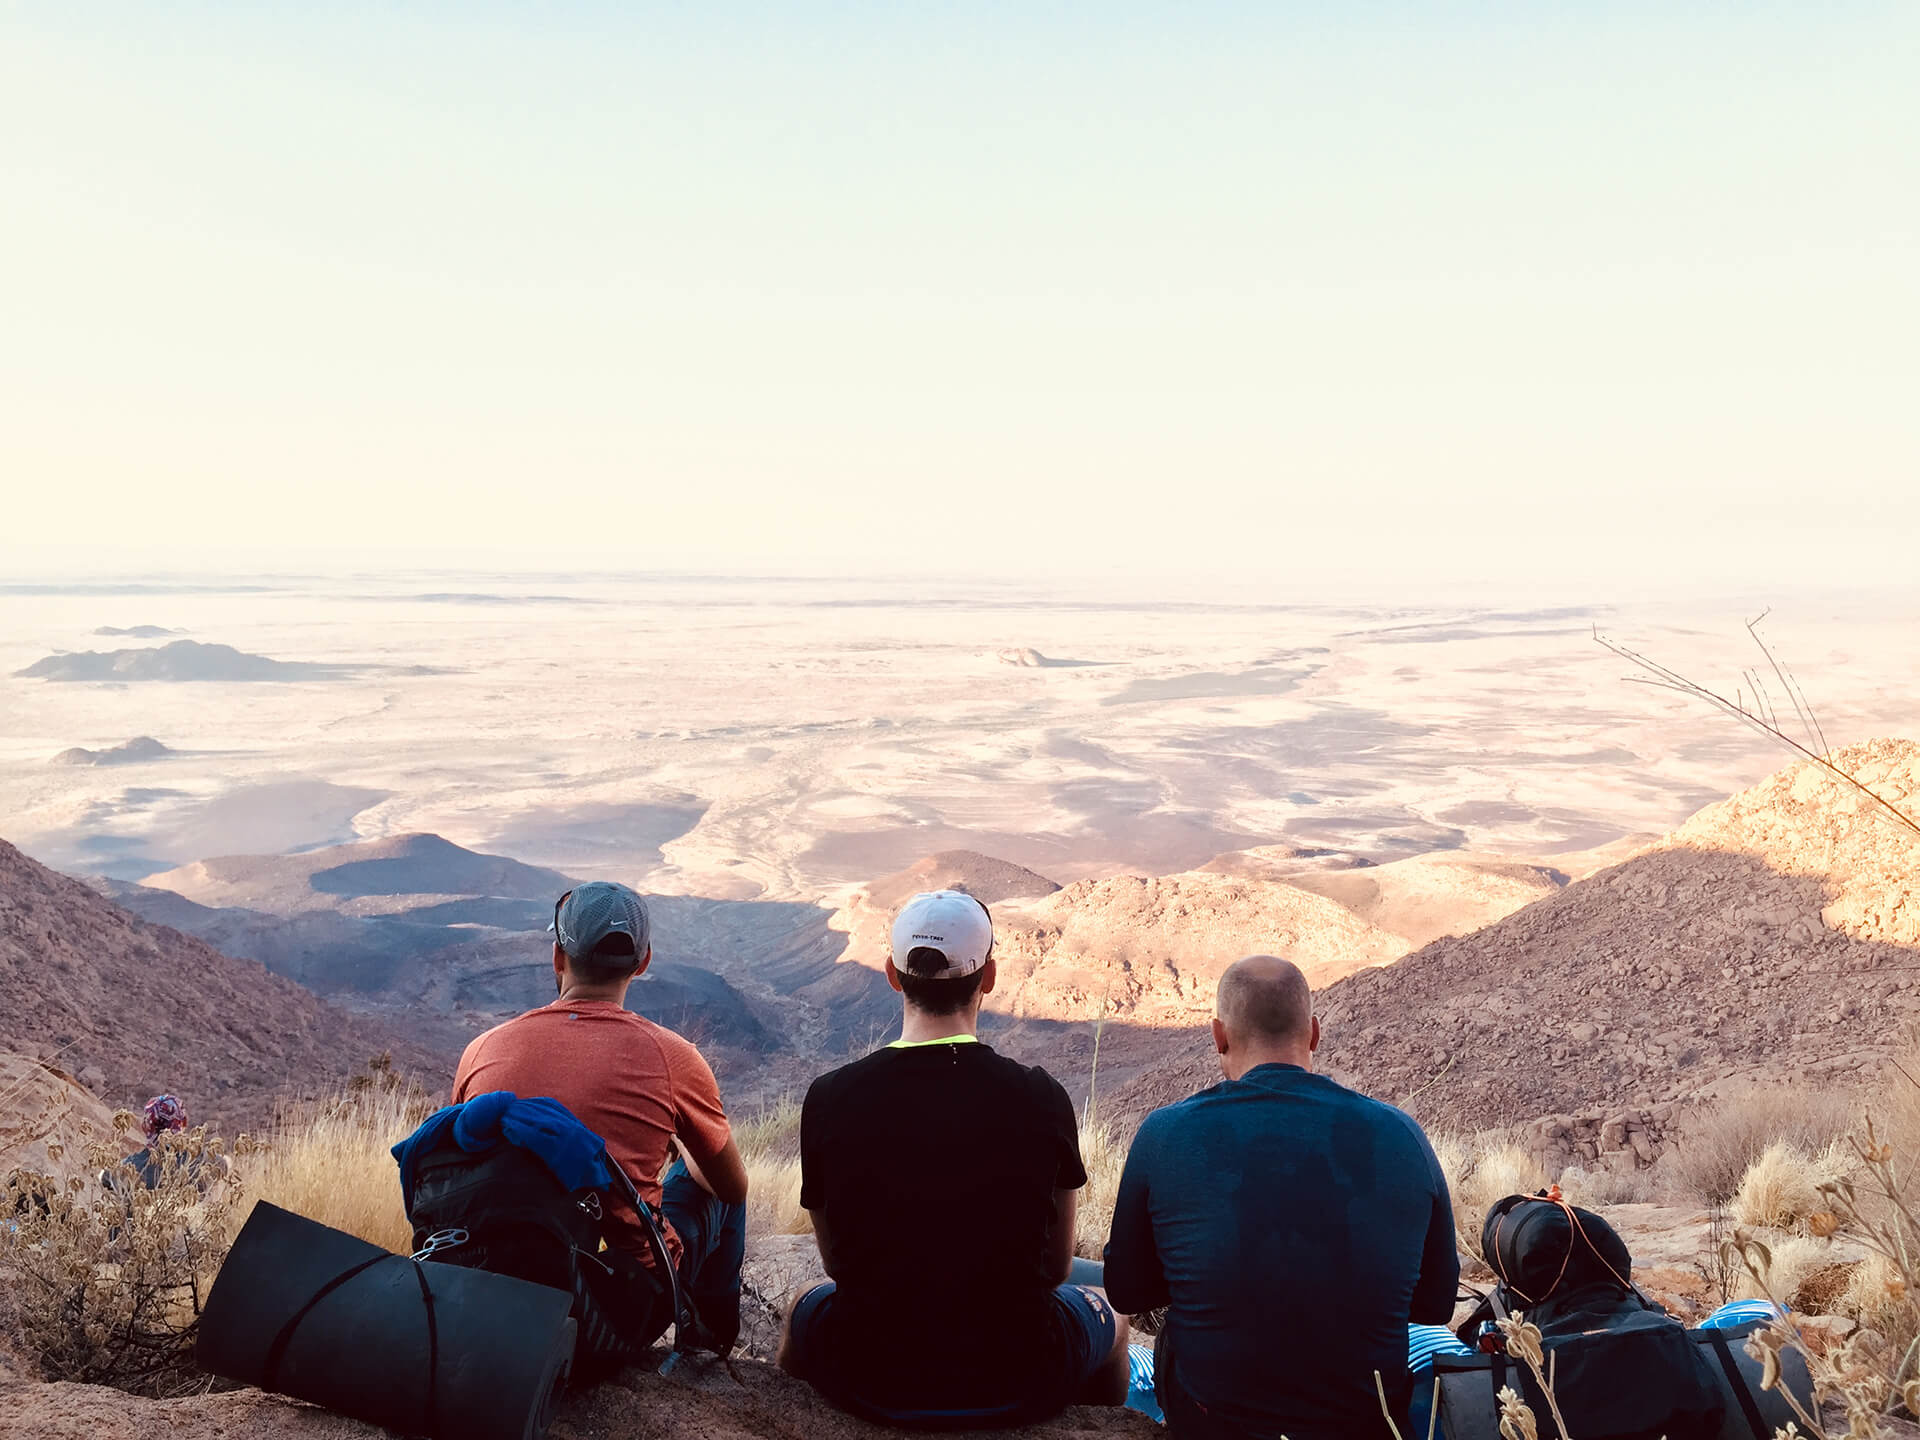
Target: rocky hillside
[1770, 938]
[131, 1007]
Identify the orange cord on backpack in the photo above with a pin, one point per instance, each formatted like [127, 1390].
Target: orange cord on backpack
[1551, 1196]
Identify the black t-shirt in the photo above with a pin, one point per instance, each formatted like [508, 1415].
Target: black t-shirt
[940, 1160]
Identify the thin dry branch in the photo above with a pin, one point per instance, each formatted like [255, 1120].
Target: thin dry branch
[1759, 715]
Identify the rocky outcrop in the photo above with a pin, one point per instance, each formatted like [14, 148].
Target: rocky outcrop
[1622, 1140]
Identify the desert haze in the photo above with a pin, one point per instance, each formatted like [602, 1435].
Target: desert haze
[790, 739]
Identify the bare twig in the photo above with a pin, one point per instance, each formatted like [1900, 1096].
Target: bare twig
[1759, 715]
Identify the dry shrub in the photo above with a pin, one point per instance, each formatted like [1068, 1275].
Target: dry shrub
[1780, 1189]
[107, 1277]
[1480, 1170]
[330, 1160]
[1721, 1141]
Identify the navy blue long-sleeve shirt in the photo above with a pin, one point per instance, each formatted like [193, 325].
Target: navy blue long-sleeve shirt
[1292, 1228]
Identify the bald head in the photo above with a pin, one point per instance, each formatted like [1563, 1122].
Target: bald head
[1264, 1003]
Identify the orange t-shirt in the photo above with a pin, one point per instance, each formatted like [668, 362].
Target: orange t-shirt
[633, 1083]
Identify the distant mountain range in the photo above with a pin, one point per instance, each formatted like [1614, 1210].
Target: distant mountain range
[180, 660]
[128, 752]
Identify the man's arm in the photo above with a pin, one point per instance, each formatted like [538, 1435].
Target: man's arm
[1439, 1283]
[1066, 1210]
[1135, 1281]
[823, 1239]
[705, 1138]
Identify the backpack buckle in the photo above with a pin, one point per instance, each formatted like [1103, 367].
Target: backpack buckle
[441, 1240]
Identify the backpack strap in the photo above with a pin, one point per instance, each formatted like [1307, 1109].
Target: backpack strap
[682, 1312]
[1737, 1383]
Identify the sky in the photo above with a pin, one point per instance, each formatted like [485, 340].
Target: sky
[1608, 296]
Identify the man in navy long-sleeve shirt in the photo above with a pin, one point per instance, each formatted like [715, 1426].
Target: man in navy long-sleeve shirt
[1291, 1227]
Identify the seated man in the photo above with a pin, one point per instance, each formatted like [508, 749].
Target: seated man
[637, 1085]
[942, 1180]
[1292, 1229]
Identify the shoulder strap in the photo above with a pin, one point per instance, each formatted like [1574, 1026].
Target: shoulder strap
[1737, 1383]
[682, 1313]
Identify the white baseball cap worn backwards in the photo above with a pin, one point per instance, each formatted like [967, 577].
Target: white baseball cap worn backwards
[950, 922]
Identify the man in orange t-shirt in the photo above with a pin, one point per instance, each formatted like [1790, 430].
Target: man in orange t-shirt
[637, 1085]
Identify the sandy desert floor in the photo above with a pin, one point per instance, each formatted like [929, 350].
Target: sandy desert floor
[790, 738]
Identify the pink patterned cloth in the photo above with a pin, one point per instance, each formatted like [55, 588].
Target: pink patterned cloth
[164, 1112]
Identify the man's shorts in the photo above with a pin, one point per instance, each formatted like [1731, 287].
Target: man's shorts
[1084, 1322]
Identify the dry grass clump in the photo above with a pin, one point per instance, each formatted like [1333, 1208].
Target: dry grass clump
[330, 1159]
[106, 1277]
[1597, 1188]
[1105, 1157]
[769, 1141]
[1780, 1189]
[1722, 1140]
[1480, 1170]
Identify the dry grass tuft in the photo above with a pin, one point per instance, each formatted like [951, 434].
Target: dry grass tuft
[330, 1159]
[1105, 1157]
[1721, 1141]
[1780, 1189]
[1875, 1295]
[769, 1141]
[1596, 1189]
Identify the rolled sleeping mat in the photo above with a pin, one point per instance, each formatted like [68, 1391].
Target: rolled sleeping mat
[416, 1346]
[1468, 1411]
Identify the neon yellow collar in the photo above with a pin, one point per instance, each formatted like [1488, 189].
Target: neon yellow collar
[943, 1040]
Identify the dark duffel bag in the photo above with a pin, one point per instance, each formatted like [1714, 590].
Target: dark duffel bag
[1468, 1385]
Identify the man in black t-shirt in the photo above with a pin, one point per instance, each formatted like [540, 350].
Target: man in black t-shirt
[942, 1180]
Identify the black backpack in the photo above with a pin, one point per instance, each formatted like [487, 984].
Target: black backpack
[1622, 1368]
[502, 1210]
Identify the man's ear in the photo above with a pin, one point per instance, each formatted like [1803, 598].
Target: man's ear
[1219, 1037]
[645, 960]
[988, 974]
[893, 976]
[1313, 1036]
[559, 960]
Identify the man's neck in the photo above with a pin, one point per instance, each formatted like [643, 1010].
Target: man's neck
[1253, 1060]
[917, 1026]
[579, 994]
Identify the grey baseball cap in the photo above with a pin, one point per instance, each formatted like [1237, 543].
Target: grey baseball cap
[588, 914]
